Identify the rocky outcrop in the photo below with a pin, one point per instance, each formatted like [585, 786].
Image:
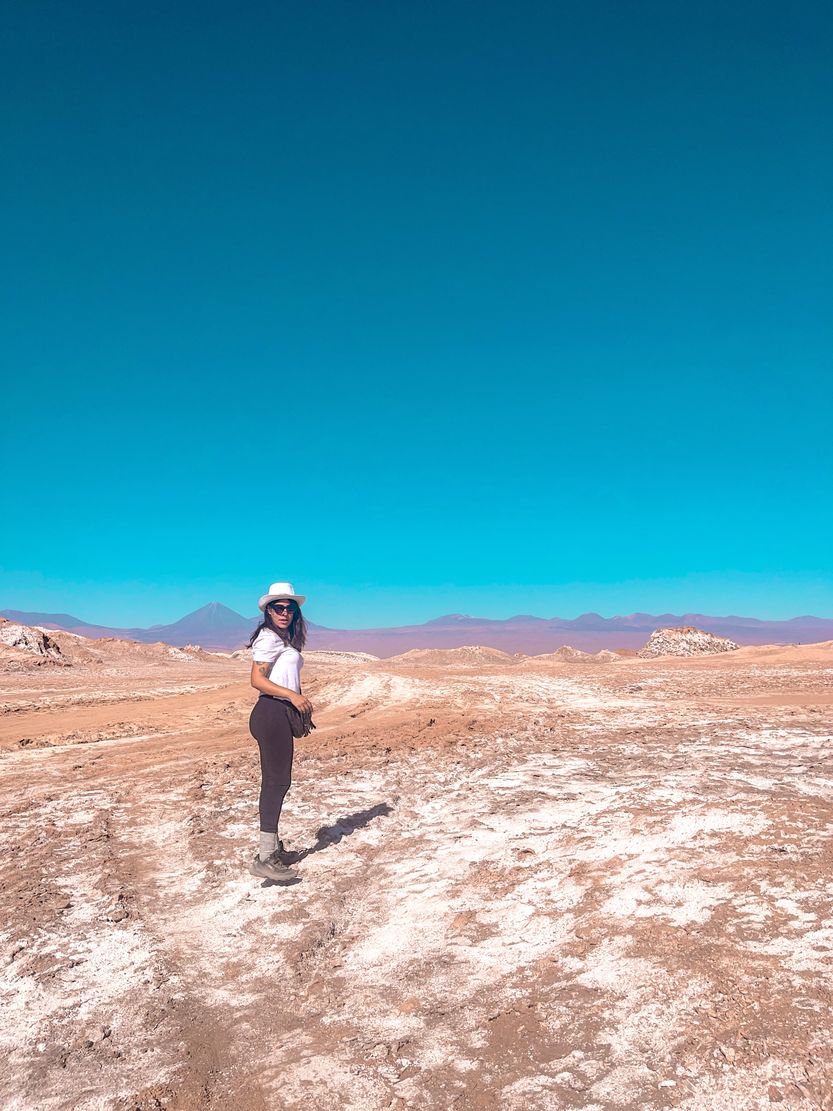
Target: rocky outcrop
[35, 642]
[685, 641]
[567, 652]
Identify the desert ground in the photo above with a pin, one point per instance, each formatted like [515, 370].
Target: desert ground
[527, 883]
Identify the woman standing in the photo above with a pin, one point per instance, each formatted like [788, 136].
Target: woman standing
[276, 672]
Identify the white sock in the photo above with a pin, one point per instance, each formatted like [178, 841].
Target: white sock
[268, 844]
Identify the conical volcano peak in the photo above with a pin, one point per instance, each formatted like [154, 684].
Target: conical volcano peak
[212, 617]
[213, 608]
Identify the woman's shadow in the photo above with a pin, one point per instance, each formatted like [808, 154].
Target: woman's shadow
[330, 835]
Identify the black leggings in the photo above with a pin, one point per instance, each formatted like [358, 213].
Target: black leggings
[269, 725]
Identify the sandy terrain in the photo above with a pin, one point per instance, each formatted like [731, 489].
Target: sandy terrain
[528, 884]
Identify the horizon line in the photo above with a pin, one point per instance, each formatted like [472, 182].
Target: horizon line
[471, 617]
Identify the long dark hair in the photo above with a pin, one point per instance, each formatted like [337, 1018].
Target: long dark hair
[295, 635]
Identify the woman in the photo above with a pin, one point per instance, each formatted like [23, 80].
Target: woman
[276, 672]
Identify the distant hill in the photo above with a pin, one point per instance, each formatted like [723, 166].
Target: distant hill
[219, 628]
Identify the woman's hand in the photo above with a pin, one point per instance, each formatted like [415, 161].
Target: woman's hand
[302, 703]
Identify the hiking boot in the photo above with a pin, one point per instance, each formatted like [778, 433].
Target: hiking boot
[285, 856]
[271, 869]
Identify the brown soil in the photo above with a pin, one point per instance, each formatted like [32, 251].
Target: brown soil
[527, 884]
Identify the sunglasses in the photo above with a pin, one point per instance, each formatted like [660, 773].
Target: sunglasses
[279, 607]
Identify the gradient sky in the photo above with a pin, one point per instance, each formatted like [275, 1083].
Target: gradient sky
[429, 307]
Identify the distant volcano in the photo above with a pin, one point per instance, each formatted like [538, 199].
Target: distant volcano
[211, 624]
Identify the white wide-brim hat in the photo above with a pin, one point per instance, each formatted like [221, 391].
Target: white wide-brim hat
[280, 590]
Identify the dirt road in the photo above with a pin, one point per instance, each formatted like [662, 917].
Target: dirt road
[527, 884]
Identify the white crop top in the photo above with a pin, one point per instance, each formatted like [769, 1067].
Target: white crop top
[286, 660]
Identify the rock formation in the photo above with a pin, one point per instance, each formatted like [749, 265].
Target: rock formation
[33, 640]
[685, 641]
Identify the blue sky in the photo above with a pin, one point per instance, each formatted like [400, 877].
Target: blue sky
[428, 307]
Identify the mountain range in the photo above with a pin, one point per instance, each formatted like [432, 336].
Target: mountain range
[218, 628]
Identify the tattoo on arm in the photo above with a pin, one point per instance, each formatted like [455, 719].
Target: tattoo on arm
[264, 669]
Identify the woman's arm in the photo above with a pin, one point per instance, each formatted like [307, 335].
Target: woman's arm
[262, 682]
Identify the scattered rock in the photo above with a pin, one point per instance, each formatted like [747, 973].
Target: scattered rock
[14, 949]
[94, 1036]
[119, 910]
